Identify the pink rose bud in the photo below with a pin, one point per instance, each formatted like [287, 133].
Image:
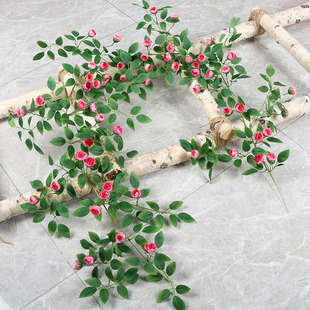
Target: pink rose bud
[147, 42]
[40, 100]
[89, 77]
[292, 90]
[239, 107]
[116, 38]
[188, 59]
[196, 89]
[144, 57]
[92, 33]
[107, 186]
[104, 65]
[227, 110]
[225, 69]
[87, 86]
[21, 112]
[259, 137]
[96, 84]
[90, 162]
[258, 159]
[271, 156]
[80, 156]
[88, 142]
[196, 64]
[194, 153]
[231, 55]
[76, 265]
[148, 67]
[123, 77]
[99, 117]
[55, 186]
[209, 41]
[120, 237]
[209, 74]
[202, 57]
[170, 48]
[233, 153]
[136, 193]
[95, 210]
[89, 260]
[153, 10]
[33, 200]
[285, 113]
[195, 72]
[175, 66]
[81, 104]
[93, 107]
[104, 195]
[92, 65]
[118, 130]
[174, 16]
[267, 132]
[120, 65]
[167, 57]
[150, 248]
[147, 82]
[106, 78]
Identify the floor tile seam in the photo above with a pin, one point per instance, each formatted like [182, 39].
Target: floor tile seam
[296, 142]
[123, 12]
[19, 192]
[50, 62]
[48, 290]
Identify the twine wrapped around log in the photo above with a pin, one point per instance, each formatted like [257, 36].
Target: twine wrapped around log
[256, 15]
[221, 127]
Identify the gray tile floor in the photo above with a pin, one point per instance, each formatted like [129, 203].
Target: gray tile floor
[243, 252]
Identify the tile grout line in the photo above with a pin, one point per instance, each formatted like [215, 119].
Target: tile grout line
[28, 303]
[10, 179]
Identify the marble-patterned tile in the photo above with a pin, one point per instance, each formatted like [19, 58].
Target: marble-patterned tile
[31, 265]
[26, 24]
[8, 189]
[64, 296]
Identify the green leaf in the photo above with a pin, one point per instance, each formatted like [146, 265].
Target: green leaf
[150, 269]
[51, 55]
[151, 229]
[246, 145]
[185, 80]
[63, 210]
[143, 119]
[133, 48]
[275, 140]
[126, 221]
[258, 150]
[283, 156]
[62, 53]
[29, 208]
[182, 289]
[52, 226]
[160, 221]
[111, 119]
[58, 141]
[163, 295]
[239, 134]
[175, 205]
[186, 145]
[160, 39]
[153, 205]
[224, 158]
[87, 292]
[249, 171]
[133, 261]
[69, 133]
[238, 163]
[108, 144]
[11, 121]
[226, 92]
[64, 230]
[159, 239]
[185, 217]
[80, 212]
[120, 177]
[173, 220]
[59, 41]
[36, 184]
[29, 144]
[141, 25]
[145, 216]
[93, 282]
[38, 56]
[171, 269]
[51, 84]
[178, 303]
[71, 191]
[116, 264]
[134, 180]
[82, 180]
[42, 44]
[169, 78]
[104, 295]
[270, 70]
[263, 89]
[122, 291]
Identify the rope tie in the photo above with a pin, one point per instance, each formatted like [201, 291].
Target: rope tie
[256, 15]
[216, 125]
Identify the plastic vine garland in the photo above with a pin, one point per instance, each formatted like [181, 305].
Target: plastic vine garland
[92, 151]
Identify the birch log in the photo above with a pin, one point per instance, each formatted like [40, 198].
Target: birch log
[249, 29]
[161, 159]
[10, 106]
[292, 45]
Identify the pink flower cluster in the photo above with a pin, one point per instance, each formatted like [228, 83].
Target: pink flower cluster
[107, 188]
[82, 156]
[120, 237]
[136, 193]
[150, 248]
[88, 79]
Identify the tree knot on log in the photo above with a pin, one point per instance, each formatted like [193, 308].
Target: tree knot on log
[222, 130]
[256, 15]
